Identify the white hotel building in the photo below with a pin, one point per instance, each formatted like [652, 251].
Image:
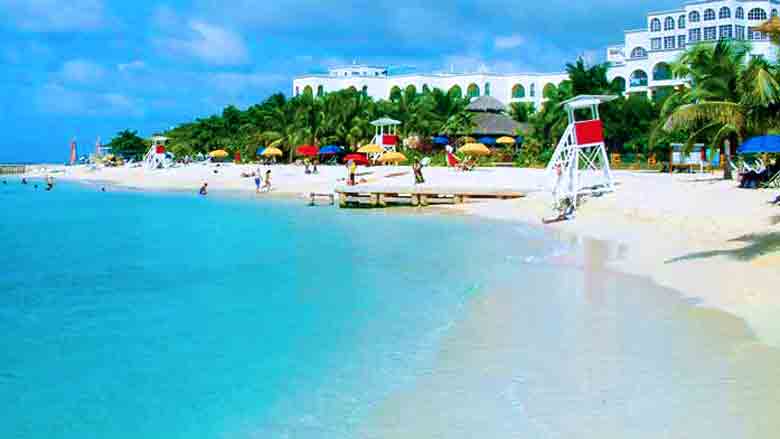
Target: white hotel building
[641, 64]
[642, 61]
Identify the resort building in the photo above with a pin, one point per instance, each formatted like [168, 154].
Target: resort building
[379, 83]
[642, 62]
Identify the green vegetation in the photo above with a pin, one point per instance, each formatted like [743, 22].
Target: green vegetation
[729, 99]
[128, 144]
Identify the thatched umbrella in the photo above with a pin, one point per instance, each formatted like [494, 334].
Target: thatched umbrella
[772, 28]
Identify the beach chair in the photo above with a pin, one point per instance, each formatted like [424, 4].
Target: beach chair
[773, 183]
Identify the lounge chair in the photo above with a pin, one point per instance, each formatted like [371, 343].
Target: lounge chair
[773, 182]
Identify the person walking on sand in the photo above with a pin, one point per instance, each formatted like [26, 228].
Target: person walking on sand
[267, 183]
[258, 180]
[204, 190]
[352, 172]
[418, 175]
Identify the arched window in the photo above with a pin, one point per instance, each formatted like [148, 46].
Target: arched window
[487, 89]
[669, 23]
[681, 22]
[639, 52]
[548, 90]
[709, 14]
[757, 14]
[638, 78]
[739, 13]
[724, 13]
[619, 84]
[662, 72]
[472, 91]
[655, 25]
[518, 91]
[320, 90]
[774, 12]
[455, 91]
[308, 90]
[533, 90]
[694, 17]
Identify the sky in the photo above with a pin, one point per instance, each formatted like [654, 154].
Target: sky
[87, 68]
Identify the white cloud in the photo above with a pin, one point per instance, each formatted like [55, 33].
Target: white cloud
[131, 66]
[509, 42]
[210, 43]
[57, 99]
[55, 15]
[82, 71]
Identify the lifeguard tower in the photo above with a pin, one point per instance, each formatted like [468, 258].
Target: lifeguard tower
[580, 165]
[156, 157]
[386, 133]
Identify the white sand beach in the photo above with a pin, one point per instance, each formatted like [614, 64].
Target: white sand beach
[717, 244]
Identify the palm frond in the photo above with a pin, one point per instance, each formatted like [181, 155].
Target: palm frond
[705, 112]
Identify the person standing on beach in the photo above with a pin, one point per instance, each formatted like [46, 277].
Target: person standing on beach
[204, 190]
[417, 170]
[267, 182]
[258, 180]
[352, 172]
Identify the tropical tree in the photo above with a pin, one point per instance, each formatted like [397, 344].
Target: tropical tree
[728, 98]
[128, 144]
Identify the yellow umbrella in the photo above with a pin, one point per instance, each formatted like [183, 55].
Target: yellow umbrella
[770, 27]
[392, 157]
[218, 154]
[371, 149]
[271, 152]
[475, 149]
[466, 140]
[506, 140]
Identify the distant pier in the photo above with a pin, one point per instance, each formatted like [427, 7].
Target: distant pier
[376, 196]
[12, 169]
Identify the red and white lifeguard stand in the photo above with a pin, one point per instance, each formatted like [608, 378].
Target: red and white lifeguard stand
[156, 157]
[386, 133]
[580, 165]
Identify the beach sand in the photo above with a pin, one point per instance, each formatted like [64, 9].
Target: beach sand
[695, 233]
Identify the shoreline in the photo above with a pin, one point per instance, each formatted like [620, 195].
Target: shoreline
[717, 245]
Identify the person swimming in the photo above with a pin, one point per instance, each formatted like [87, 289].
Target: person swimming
[49, 182]
[204, 190]
[24, 180]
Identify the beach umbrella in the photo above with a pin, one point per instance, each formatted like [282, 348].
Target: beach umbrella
[392, 157]
[441, 140]
[272, 152]
[487, 140]
[307, 150]
[467, 140]
[359, 159]
[506, 140]
[331, 149]
[371, 148]
[474, 149]
[218, 154]
[760, 145]
[260, 150]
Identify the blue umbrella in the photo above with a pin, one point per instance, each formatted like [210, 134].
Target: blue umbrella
[761, 144]
[260, 150]
[487, 140]
[441, 140]
[331, 149]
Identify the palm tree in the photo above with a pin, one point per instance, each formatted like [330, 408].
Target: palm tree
[728, 97]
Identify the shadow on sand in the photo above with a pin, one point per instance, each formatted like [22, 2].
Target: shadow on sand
[755, 245]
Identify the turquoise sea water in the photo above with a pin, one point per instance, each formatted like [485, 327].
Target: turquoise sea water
[127, 314]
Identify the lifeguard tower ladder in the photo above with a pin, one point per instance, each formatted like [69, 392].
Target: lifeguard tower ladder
[386, 133]
[156, 158]
[580, 165]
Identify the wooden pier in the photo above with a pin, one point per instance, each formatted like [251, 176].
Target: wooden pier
[375, 196]
[13, 169]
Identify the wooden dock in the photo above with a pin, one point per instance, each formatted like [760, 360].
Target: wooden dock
[376, 196]
[13, 169]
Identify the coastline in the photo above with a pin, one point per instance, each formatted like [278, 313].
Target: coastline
[716, 244]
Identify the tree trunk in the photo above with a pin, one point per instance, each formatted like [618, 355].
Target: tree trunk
[727, 164]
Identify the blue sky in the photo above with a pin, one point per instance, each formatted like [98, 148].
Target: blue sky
[89, 68]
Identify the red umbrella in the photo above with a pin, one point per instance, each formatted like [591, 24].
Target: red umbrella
[359, 159]
[308, 150]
